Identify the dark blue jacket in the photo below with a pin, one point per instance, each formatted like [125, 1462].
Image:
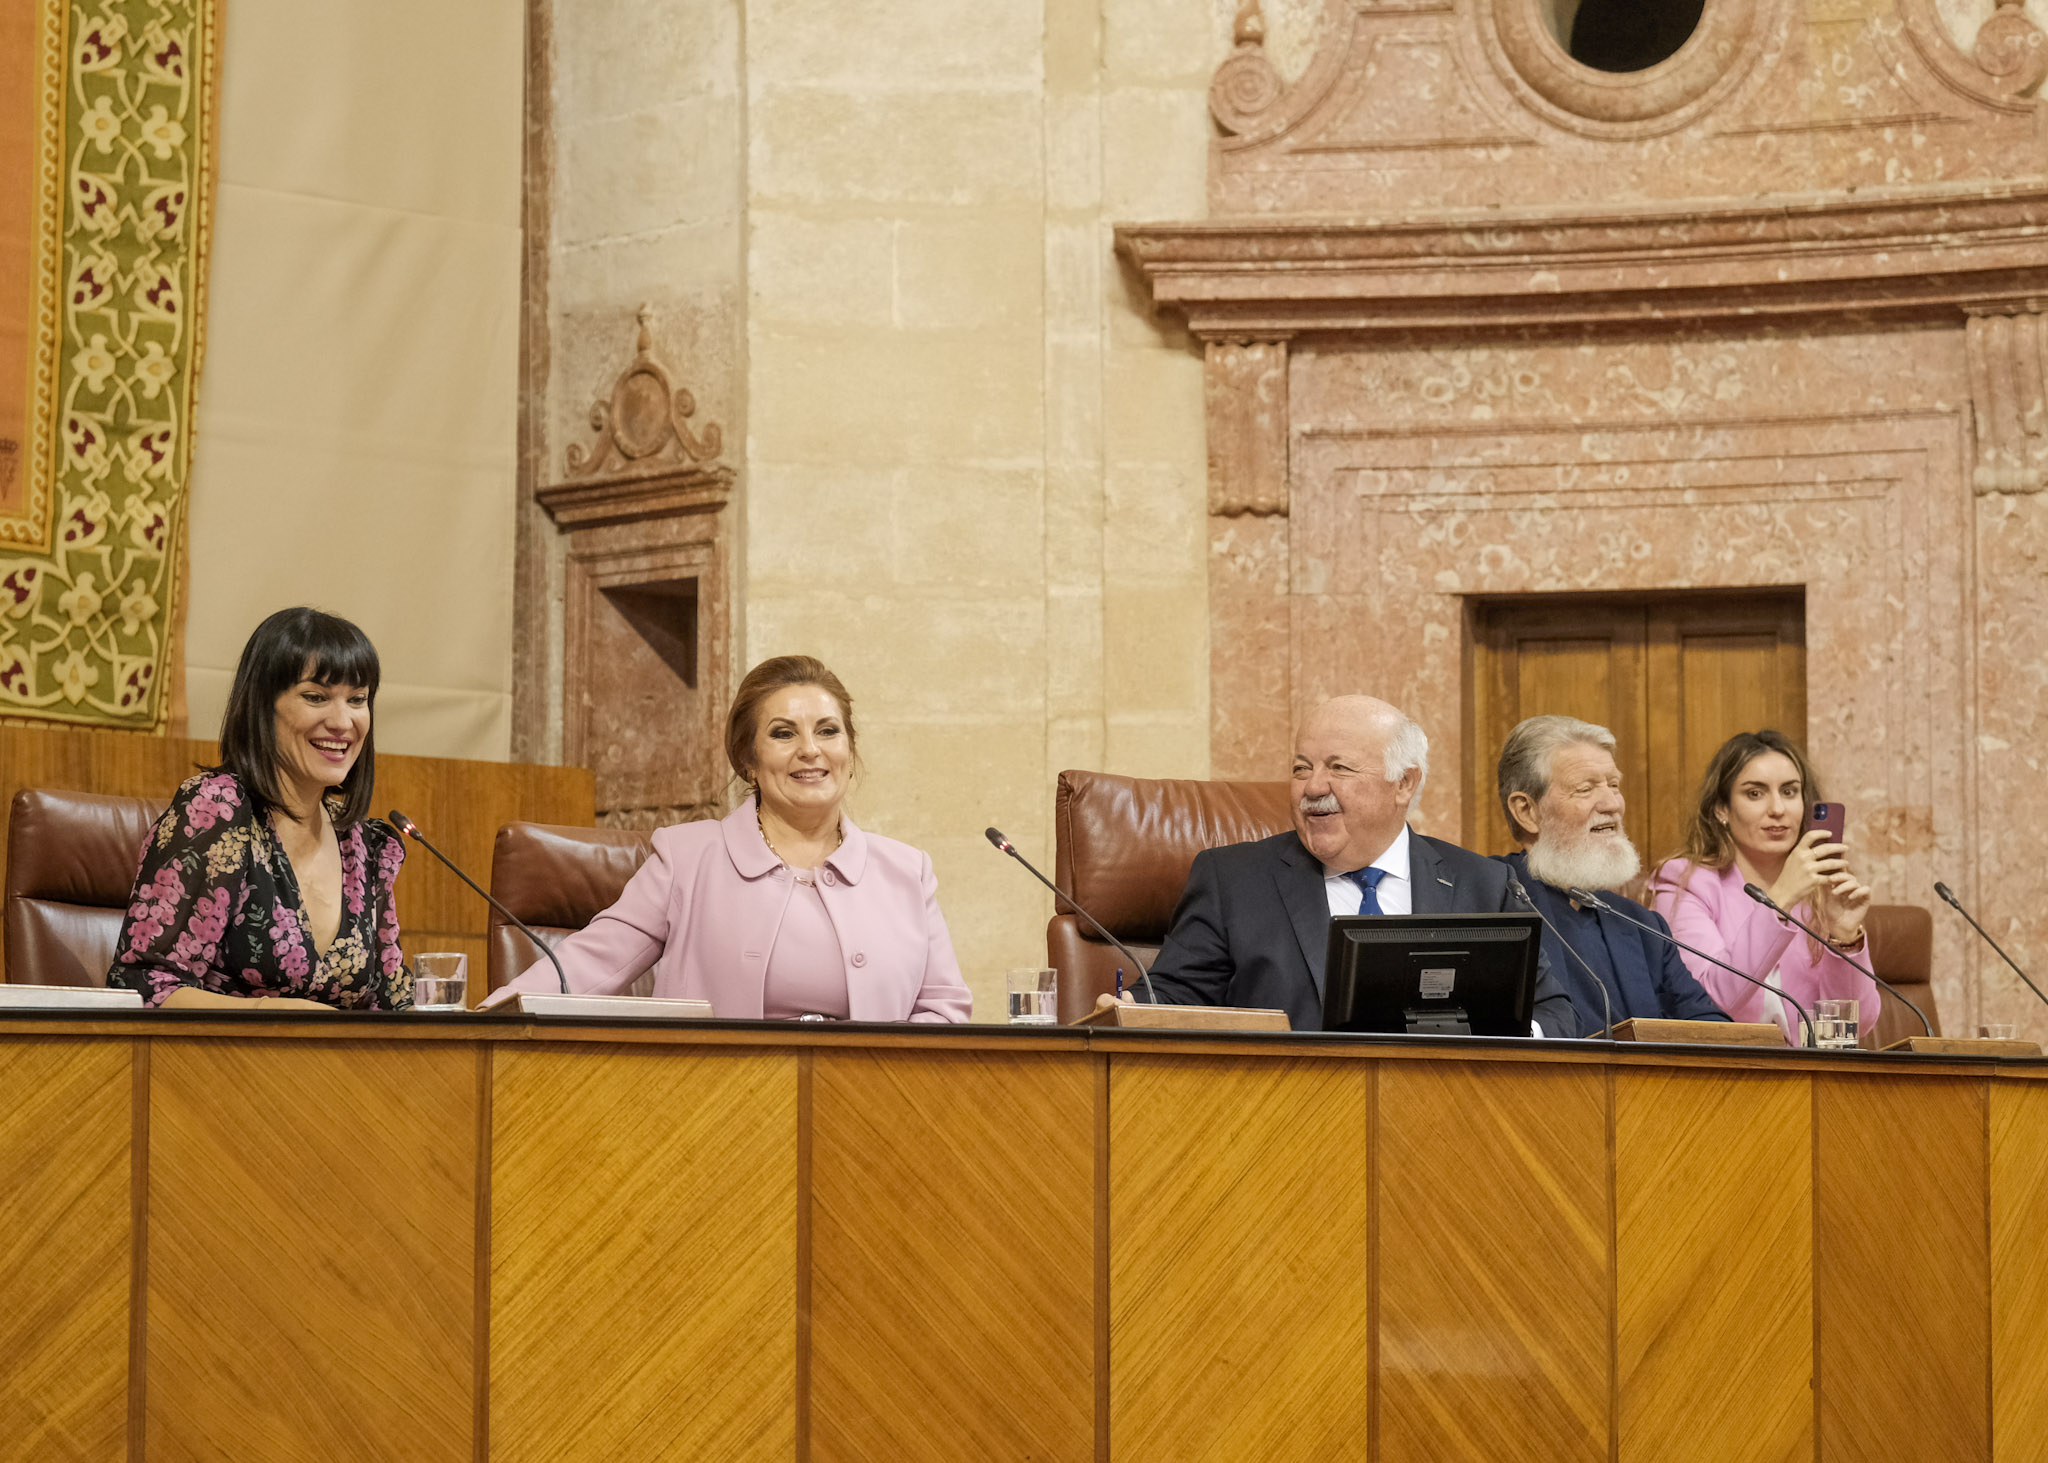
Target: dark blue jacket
[1648, 978]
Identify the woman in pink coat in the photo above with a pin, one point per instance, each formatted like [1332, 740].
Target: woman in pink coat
[1747, 829]
[784, 908]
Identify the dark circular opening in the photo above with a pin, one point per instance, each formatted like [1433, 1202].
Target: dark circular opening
[1631, 35]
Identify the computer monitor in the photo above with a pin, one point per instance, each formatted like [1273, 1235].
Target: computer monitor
[1432, 974]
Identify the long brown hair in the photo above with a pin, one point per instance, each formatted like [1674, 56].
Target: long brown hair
[1706, 840]
[755, 687]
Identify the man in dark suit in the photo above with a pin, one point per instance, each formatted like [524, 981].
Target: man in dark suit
[1561, 790]
[1253, 923]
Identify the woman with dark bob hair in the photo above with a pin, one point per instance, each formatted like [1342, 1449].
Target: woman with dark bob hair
[784, 908]
[264, 882]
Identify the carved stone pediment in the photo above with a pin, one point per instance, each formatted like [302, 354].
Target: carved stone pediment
[646, 461]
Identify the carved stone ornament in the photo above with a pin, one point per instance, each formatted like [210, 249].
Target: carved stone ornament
[2007, 348]
[645, 462]
[2012, 49]
[1246, 85]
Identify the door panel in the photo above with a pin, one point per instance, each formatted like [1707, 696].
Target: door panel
[1672, 676]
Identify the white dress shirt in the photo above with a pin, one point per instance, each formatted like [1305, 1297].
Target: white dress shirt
[1396, 891]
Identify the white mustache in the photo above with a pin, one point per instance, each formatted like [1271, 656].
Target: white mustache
[1327, 803]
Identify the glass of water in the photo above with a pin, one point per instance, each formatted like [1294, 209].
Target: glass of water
[1999, 1030]
[1034, 996]
[440, 981]
[1834, 1024]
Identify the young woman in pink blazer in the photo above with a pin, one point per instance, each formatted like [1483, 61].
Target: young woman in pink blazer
[1747, 828]
[784, 908]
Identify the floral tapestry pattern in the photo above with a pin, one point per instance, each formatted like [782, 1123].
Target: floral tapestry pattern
[89, 565]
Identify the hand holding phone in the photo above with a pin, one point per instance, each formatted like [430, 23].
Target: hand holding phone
[1830, 818]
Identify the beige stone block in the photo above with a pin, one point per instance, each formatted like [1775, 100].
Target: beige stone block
[1074, 743]
[813, 528]
[612, 56]
[674, 164]
[1155, 649]
[1163, 42]
[956, 148]
[1156, 522]
[1155, 155]
[855, 44]
[1076, 257]
[1073, 45]
[833, 271]
[1073, 152]
[969, 528]
[1175, 746]
[888, 399]
[681, 271]
[1073, 525]
[1074, 652]
[1133, 321]
[943, 780]
[971, 270]
[1153, 408]
[1073, 407]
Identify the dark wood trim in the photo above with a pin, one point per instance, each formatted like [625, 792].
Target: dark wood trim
[531, 691]
[1102, 1244]
[803, 1256]
[480, 1337]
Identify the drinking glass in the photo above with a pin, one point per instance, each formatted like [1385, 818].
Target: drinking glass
[1999, 1030]
[440, 981]
[1834, 1024]
[1034, 996]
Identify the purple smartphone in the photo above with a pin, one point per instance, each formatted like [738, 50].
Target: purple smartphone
[1832, 817]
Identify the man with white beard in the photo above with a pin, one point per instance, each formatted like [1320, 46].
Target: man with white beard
[1561, 791]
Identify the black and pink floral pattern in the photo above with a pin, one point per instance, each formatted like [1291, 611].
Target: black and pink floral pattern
[216, 906]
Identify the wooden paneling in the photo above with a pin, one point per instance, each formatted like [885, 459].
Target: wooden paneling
[2019, 1272]
[952, 1257]
[65, 1119]
[312, 1230]
[1714, 1267]
[459, 804]
[643, 1254]
[1494, 1337]
[1904, 1272]
[1672, 676]
[1240, 1326]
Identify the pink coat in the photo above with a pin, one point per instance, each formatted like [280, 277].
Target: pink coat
[705, 909]
[1713, 913]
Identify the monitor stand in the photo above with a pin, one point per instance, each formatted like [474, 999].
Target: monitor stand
[1438, 1021]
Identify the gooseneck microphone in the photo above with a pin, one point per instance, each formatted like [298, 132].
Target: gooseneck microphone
[1949, 897]
[1009, 848]
[1587, 896]
[1771, 904]
[411, 830]
[1606, 1006]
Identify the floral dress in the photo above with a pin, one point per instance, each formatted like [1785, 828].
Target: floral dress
[216, 906]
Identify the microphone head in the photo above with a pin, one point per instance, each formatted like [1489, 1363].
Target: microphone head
[1947, 894]
[1515, 888]
[403, 824]
[1587, 897]
[996, 837]
[1759, 896]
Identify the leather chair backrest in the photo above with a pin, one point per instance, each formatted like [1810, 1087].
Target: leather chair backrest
[1122, 849]
[71, 862]
[1902, 951]
[556, 880]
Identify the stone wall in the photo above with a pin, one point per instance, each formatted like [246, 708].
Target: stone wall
[969, 460]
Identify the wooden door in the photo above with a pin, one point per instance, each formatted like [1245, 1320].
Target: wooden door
[1672, 676]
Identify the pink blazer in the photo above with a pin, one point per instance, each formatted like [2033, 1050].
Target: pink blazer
[1713, 913]
[705, 910]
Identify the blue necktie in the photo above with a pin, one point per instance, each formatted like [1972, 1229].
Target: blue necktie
[1367, 880]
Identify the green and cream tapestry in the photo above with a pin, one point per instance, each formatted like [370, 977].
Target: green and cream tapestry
[106, 170]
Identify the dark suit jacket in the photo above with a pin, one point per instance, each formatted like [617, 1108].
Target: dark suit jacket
[1253, 926]
[1645, 976]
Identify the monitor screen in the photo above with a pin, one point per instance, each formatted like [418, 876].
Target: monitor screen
[1432, 974]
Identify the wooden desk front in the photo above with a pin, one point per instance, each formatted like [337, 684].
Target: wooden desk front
[456, 1238]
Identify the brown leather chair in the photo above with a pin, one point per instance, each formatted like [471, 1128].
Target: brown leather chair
[557, 880]
[1902, 951]
[71, 862]
[1122, 849]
